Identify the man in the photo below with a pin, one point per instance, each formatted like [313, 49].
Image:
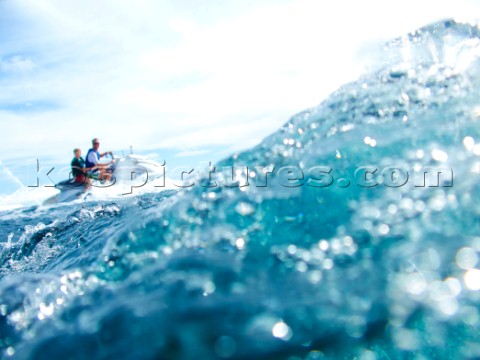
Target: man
[93, 161]
[79, 168]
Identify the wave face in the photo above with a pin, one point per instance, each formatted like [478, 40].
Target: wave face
[342, 264]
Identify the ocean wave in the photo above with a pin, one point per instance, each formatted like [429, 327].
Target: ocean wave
[268, 271]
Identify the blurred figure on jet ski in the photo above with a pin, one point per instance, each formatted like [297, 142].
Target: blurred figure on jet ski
[79, 168]
[98, 170]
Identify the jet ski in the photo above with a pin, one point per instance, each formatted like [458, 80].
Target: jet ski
[134, 166]
[124, 170]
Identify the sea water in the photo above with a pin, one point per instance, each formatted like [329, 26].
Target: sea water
[352, 232]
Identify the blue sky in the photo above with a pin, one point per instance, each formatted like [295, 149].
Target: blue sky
[187, 79]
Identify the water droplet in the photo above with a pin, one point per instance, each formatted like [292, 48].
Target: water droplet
[240, 243]
[323, 245]
[415, 283]
[292, 249]
[383, 229]
[466, 258]
[244, 208]
[328, 264]
[469, 143]
[439, 155]
[476, 149]
[46, 310]
[282, 331]
[301, 266]
[472, 279]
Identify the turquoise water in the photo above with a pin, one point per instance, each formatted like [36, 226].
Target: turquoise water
[341, 262]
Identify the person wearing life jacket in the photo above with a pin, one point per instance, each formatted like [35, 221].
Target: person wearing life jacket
[79, 169]
[98, 170]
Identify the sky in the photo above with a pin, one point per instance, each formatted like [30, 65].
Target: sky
[190, 79]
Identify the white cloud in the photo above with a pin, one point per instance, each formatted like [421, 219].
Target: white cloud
[16, 64]
[188, 153]
[152, 74]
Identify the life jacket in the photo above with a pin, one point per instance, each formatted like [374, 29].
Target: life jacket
[89, 164]
[77, 166]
